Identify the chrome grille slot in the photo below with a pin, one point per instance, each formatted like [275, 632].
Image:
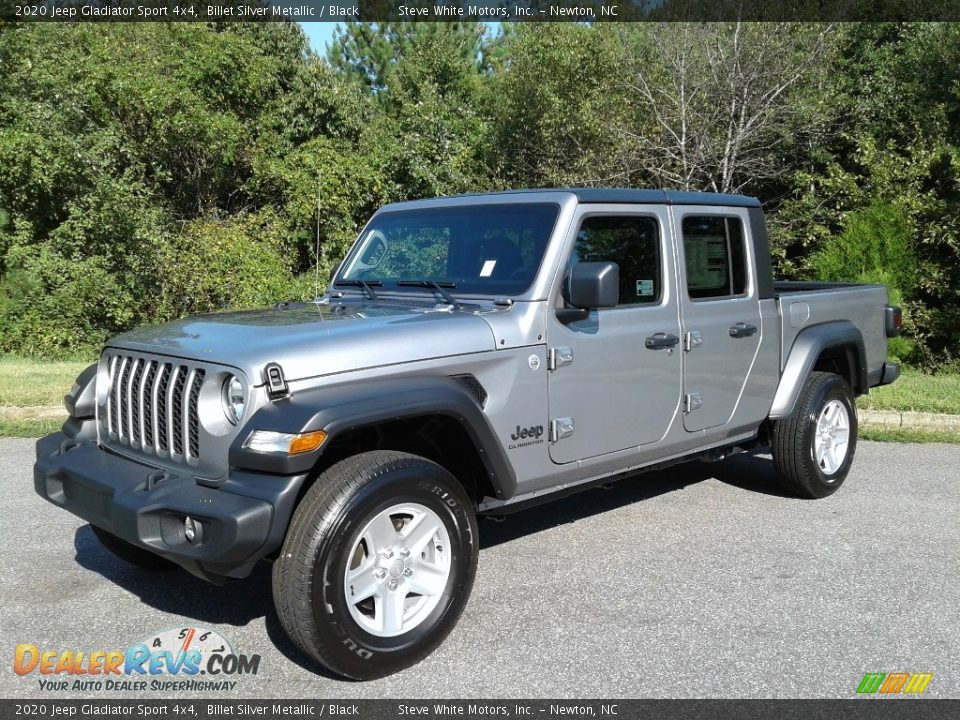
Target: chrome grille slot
[162, 385]
[152, 406]
[176, 409]
[146, 406]
[122, 396]
[193, 422]
[111, 404]
[136, 438]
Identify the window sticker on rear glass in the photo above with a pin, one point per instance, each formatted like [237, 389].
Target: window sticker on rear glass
[488, 267]
[644, 288]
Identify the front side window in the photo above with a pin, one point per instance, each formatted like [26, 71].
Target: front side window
[716, 261]
[633, 242]
[479, 249]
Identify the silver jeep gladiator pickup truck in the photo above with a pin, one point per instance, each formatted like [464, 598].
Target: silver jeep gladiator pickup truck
[472, 355]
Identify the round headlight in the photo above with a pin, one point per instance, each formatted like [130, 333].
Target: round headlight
[233, 399]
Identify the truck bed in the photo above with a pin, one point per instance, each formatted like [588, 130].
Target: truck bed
[790, 287]
[803, 304]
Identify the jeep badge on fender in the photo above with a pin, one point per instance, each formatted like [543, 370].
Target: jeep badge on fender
[354, 440]
[534, 432]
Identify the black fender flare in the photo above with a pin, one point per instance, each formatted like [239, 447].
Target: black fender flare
[807, 347]
[340, 408]
[82, 398]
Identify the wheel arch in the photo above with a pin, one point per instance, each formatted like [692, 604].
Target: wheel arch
[439, 437]
[435, 417]
[835, 347]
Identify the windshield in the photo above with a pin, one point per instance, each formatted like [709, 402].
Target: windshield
[477, 249]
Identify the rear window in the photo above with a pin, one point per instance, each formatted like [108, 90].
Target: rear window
[716, 261]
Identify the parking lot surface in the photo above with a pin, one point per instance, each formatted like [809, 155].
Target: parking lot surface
[699, 581]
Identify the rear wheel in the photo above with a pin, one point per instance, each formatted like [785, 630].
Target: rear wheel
[813, 449]
[377, 565]
[131, 553]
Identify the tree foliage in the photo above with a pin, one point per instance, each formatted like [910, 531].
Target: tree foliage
[896, 144]
[725, 106]
[149, 171]
[556, 103]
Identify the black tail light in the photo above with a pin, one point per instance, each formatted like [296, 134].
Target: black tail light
[892, 318]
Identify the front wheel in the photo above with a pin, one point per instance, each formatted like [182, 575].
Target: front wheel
[813, 449]
[377, 565]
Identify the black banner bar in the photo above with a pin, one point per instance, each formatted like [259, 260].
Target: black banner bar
[478, 10]
[218, 709]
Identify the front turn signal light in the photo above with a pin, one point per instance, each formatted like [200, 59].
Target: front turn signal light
[307, 442]
[284, 443]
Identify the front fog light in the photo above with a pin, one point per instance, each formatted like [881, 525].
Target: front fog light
[190, 529]
[284, 443]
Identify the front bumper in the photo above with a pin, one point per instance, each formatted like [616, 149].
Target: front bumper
[241, 521]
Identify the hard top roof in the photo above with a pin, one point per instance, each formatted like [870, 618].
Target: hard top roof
[583, 195]
[631, 195]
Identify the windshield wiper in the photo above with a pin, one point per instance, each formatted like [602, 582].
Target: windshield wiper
[440, 286]
[367, 286]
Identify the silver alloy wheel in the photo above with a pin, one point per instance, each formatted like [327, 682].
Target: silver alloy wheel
[832, 437]
[398, 569]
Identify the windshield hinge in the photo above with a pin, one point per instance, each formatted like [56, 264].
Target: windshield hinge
[276, 383]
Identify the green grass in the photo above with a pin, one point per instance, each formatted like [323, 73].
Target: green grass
[31, 427]
[34, 382]
[915, 391]
[905, 435]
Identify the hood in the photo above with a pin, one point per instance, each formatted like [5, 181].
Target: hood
[310, 339]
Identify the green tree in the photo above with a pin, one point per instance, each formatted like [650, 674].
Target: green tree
[367, 53]
[875, 247]
[432, 131]
[725, 107]
[239, 261]
[112, 136]
[897, 141]
[151, 170]
[555, 104]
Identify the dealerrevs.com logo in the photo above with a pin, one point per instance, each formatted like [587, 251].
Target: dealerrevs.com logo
[182, 659]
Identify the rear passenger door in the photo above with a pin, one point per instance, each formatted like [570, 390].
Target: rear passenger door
[720, 311]
[608, 390]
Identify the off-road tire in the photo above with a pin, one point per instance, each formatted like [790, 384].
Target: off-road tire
[143, 559]
[793, 445]
[308, 576]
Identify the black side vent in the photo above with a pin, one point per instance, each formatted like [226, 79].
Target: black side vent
[474, 387]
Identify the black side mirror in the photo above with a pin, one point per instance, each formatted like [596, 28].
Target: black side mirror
[594, 285]
[590, 286]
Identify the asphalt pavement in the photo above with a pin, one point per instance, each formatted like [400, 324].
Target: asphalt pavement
[699, 581]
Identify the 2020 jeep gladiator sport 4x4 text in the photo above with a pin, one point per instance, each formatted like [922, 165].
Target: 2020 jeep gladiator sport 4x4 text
[472, 355]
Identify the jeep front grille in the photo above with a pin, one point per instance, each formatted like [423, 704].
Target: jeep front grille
[151, 406]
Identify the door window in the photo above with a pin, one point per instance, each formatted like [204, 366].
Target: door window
[715, 256]
[630, 241]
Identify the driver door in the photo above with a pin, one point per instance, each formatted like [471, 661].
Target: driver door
[609, 388]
